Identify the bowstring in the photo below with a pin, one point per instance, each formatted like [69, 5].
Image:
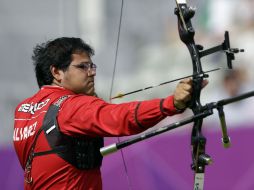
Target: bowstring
[112, 84]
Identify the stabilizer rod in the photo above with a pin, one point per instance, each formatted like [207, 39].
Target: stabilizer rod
[206, 111]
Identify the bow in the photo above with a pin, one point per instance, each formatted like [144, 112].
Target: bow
[198, 141]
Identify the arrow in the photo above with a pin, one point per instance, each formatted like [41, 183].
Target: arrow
[120, 95]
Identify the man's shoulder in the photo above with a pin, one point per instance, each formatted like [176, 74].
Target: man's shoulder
[42, 99]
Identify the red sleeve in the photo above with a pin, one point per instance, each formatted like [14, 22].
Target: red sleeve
[86, 115]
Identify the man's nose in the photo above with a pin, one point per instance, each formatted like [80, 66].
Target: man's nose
[91, 72]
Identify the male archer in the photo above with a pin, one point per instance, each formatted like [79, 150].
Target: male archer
[59, 130]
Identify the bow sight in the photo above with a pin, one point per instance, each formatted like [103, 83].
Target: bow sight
[225, 46]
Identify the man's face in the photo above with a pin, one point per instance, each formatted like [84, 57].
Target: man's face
[78, 77]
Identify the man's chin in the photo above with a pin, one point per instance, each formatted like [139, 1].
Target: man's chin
[90, 92]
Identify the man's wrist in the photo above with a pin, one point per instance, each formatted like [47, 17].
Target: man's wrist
[180, 106]
[168, 108]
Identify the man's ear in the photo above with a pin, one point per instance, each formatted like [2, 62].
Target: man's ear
[56, 73]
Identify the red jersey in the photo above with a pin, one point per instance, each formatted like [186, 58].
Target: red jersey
[78, 115]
